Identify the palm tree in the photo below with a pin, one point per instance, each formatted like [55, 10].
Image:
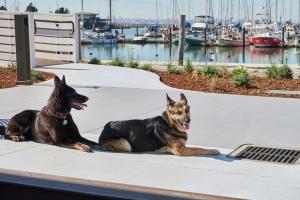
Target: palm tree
[3, 8]
[31, 8]
[62, 10]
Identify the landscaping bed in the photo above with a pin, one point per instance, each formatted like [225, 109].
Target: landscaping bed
[8, 77]
[260, 86]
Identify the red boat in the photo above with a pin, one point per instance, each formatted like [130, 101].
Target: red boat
[266, 40]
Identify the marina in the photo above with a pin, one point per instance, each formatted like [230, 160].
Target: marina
[157, 99]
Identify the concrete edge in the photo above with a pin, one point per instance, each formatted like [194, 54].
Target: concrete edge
[95, 188]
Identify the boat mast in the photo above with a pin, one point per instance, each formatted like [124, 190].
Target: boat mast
[252, 11]
[291, 11]
[283, 8]
[221, 11]
[82, 12]
[276, 11]
[239, 11]
[110, 21]
[156, 12]
[299, 13]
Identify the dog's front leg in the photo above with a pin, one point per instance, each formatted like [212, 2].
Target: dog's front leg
[190, 151]
[78, 145]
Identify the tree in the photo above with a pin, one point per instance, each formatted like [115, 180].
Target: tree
[62, 10]
[31, 8]
[3, 8]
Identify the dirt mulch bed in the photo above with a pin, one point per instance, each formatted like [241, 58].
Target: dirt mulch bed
[260, 86]
[8, 77]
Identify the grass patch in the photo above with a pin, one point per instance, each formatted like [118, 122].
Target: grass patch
[94, 61]
[147, 67]
[283, 72]
[132, 62]
[117, 62]
[188, 67]
[174, 70]
[272, 72]
[241, 77]
[37, 75]
[210, 71]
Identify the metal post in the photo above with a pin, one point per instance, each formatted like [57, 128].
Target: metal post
[244, 37]
[22, 50]
[205, 36]
[283, 30]
[181, 40]
[122, 29]
[170, 44]
[137, 31]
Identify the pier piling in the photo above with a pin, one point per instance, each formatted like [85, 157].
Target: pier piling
[181, 40]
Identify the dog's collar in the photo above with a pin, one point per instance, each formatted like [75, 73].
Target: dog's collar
[60, 115]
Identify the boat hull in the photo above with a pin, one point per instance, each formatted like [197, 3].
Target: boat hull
[232, 43]
[266, 42]
[193, 41]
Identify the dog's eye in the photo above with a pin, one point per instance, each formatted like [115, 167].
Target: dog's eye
[178, 113]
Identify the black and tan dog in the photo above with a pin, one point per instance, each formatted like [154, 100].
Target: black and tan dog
[166, 133]
[53, 124]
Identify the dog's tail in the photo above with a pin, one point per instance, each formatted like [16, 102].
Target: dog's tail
[2, 130]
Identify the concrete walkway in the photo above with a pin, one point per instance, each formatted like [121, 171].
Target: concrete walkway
[218, 121]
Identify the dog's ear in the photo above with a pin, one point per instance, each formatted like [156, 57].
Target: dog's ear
[183, 99]
[170, 102]
[63, 80]
[56, 81]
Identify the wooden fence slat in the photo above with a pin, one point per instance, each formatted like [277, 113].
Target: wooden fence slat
[52, 56]
[7, 56]
[53, 40]
[7, 48]
[7, 31]
[54, 47]
[7, 40]
[7, 23]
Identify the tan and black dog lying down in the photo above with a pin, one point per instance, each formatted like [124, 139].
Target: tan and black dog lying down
[166, 133]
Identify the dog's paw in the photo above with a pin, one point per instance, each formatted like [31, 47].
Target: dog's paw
[214, 152]
[84, 147]
[18, 138]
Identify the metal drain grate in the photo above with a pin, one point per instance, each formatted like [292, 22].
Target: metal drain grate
[4, 122]
[266, 154]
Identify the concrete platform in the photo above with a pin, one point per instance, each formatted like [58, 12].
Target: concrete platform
[218, 121]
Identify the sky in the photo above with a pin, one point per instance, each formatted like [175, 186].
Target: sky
[146, 9]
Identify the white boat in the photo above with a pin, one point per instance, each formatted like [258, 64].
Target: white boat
[230, 42]
[139, 39]
[102, 38]
[297, 40]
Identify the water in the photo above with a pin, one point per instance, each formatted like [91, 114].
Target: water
[162, 52]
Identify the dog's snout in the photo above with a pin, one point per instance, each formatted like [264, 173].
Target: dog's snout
[187, 120]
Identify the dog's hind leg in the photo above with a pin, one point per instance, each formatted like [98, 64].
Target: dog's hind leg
[116, 145]
[78, 145]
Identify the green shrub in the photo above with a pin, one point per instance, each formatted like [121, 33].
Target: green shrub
[37, 75]
[223, 71]
[147, 67]
[188, 67]
[210, 71]
[174, 70]
[239, 70]
[12, 66]
[272, 72]
[241, 77]
[94, 61]
[285, 72]
[117, 62]
[132, 62]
